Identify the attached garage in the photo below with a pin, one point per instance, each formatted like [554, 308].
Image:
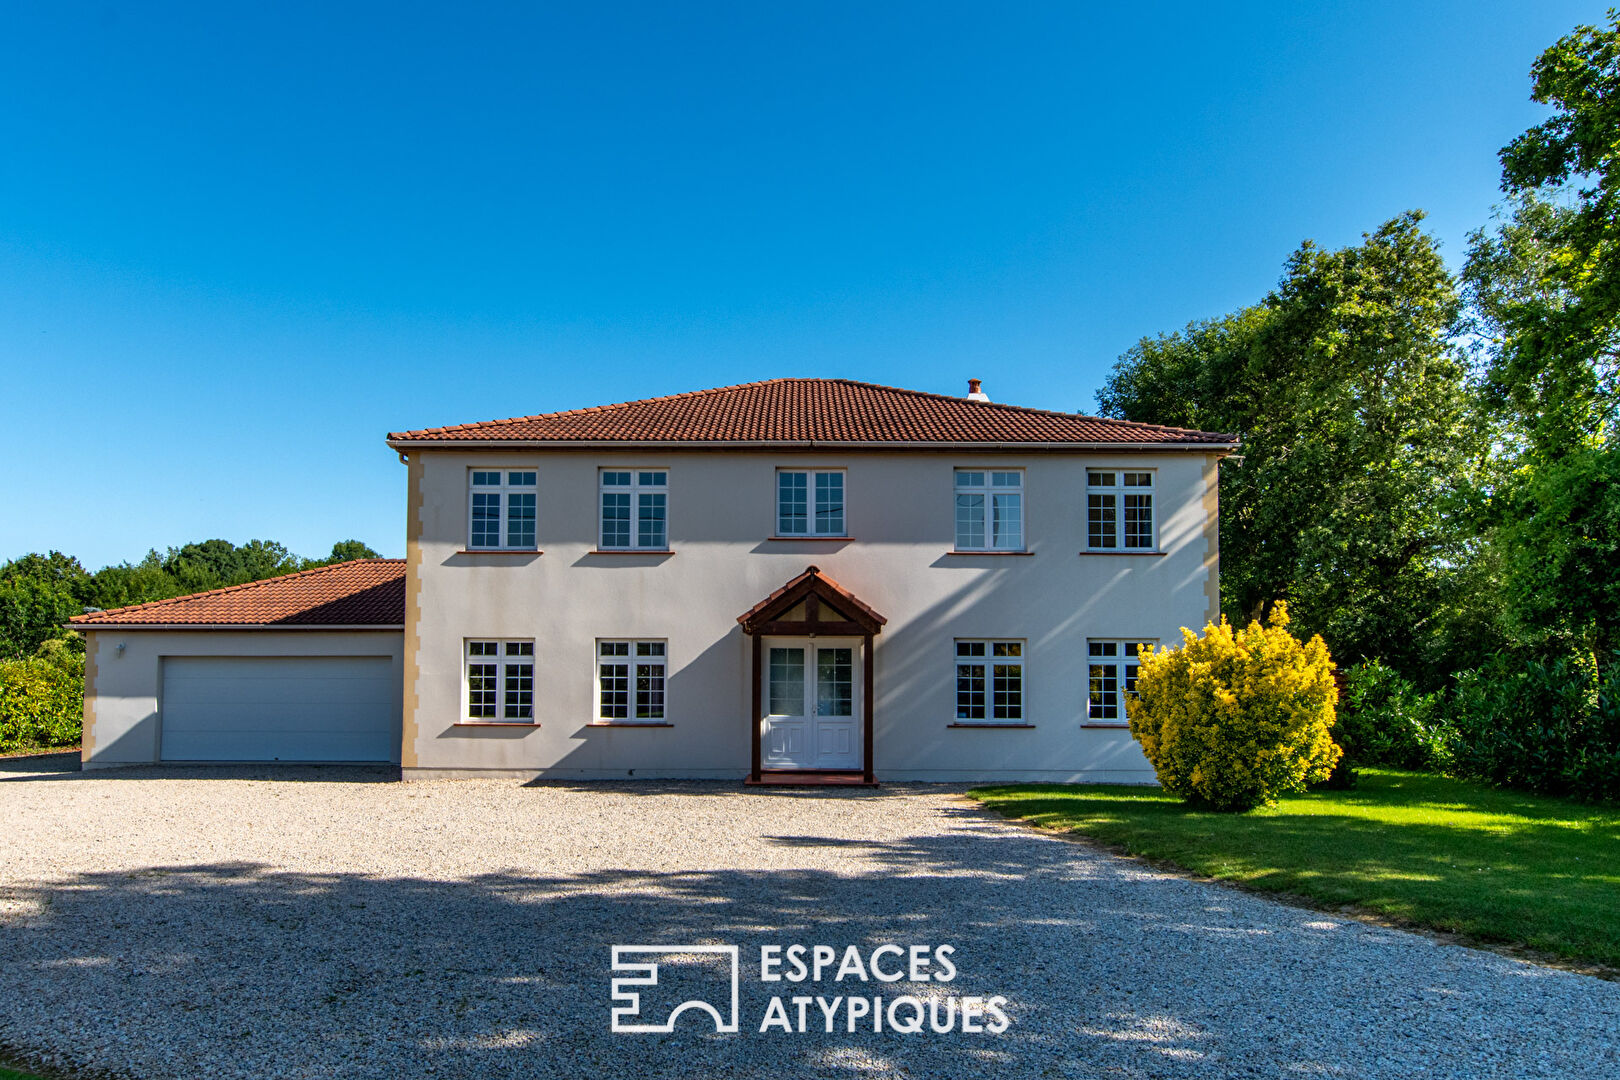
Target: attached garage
[302, 668]
[279, 708]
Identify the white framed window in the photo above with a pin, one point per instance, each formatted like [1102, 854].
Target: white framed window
[990, 682]
[500, 681]
[989, 510]
[501, 507]
[1111, 677]
[635, 509]
[630, 681]
[1119, 510]
[810, 502]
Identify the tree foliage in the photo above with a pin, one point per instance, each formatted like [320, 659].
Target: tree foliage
[1362, 443]
[348, 550]
[1546, 287]
[37, 594]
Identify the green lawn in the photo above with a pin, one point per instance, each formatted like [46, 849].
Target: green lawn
[13, 1074]
[1498, 866]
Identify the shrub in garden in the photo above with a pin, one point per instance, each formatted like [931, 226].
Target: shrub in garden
[1387, 722]
[1237, 717]
[1547, 725]
[41, 703]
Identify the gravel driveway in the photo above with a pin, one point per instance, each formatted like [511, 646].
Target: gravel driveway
[324, 923]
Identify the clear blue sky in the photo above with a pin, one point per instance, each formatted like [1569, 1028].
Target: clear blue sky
[241, 242]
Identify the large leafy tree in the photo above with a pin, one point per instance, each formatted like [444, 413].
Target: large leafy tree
[1358, 426]
[37, 594]
[345, 550]
[213, 563]
[1546, 285]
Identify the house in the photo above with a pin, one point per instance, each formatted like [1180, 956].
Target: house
[775, 580]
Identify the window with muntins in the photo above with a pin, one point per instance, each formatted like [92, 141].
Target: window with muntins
[1112, 667]
[1119, 510]
[635, 509]
[500, 681]
[786, 682]
[809, 502]
[989, 510]
[630, 681]
[501, 509]
[990, 682]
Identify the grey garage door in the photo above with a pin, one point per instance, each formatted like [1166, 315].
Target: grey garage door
[280, 708]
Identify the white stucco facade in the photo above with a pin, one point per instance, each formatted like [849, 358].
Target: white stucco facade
[899, 559]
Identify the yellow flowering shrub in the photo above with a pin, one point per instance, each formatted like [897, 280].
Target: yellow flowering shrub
[1237, 717]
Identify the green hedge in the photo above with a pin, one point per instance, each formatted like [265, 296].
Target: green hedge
[1550, 726]
[1385, 721]
[41, 704]
[1544, 724]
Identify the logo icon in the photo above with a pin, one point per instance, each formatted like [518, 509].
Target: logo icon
[627, 1007]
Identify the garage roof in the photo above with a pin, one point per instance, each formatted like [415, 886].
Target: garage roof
[361, 593]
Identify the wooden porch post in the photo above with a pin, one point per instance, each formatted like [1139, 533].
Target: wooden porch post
[754, 726]
[866, 755]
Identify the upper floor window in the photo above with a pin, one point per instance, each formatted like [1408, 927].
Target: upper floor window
[502, 509]
[635, 509]
[1119, 510]
[1112, 667]
[990, 682]
[500, 681]
[630, 681]
[809, 503]
[989, 510]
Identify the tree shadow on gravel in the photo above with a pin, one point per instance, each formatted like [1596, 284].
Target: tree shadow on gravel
[733, 788]
[66, 767]
[240, 969]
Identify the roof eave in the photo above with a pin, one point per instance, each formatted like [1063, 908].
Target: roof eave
[233, 626]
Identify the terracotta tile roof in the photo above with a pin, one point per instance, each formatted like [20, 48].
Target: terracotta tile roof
[811, 581]
[811, 411]
[364, 592]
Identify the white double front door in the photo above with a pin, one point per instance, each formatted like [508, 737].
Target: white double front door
[812, 703]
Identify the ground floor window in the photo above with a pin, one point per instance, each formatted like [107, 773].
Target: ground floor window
[630, 681]
[990, 682]
[500, 681]
[1112, 679]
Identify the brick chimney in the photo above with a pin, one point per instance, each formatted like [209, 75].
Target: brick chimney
[974, 393]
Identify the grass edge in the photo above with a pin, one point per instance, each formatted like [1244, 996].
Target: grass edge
[1360, 913]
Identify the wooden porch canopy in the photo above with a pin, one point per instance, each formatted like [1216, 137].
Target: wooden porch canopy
[809, 605]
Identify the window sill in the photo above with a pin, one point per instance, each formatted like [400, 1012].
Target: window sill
[631, 551]
[975, 554]
[497, 723]
[629, 723]
[1111, 551]
[823, 538]
[500, 551]
[1109, 727]
[987, 724]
